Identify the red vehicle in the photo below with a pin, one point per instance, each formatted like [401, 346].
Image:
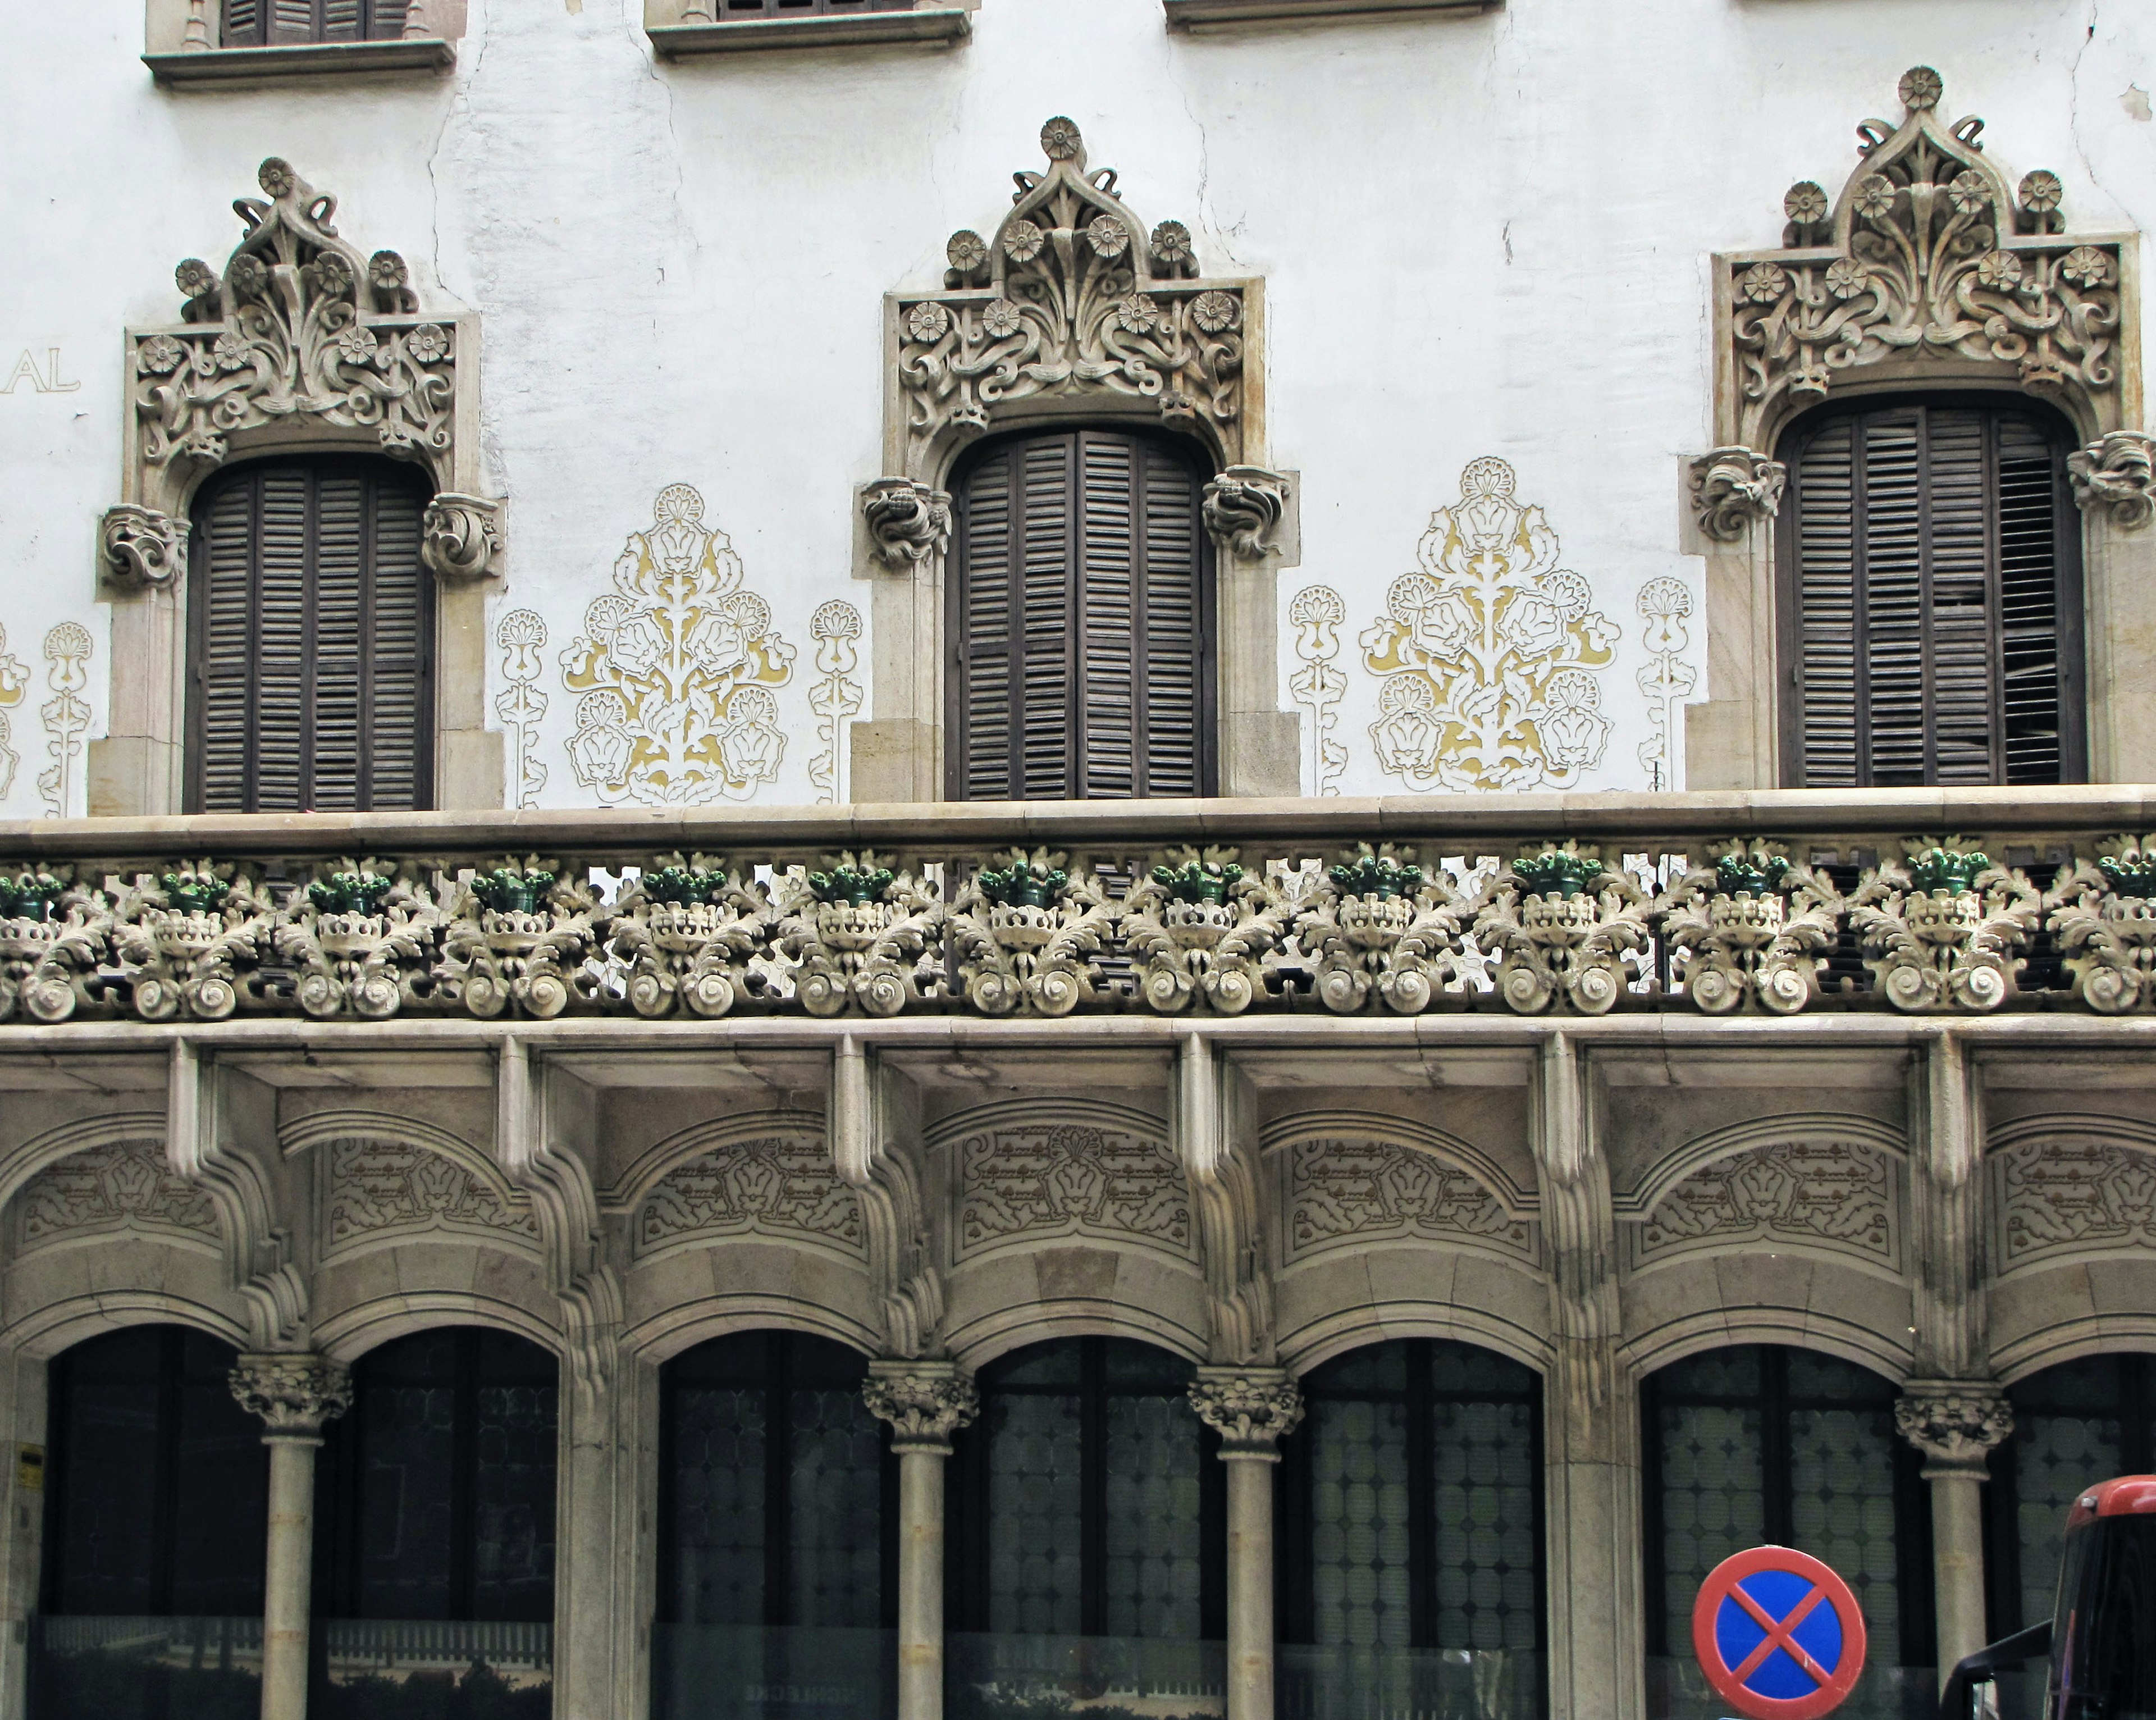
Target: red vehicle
[2102, 1637]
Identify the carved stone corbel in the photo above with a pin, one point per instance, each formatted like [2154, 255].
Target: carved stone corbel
[1252, 1408]
[293, 1393]
[2117, 472]
[910, 521]
[1734, 488]
[909, 1289]
[1954, 1423]
[460, 535]
[1225, 1191]
[1243, 509]
[924, 1402]
[141, 548]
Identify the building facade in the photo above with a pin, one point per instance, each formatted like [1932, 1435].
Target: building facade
[1248, 927]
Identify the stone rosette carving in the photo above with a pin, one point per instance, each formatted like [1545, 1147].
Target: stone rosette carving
[924, 1402]
[2102, 913]
[1927, 255]
[1197, 928]
[2117, 473]
[294, 1393]
[685, 931]
[119, 1185]
[1069, 299]
[1243, 509]
[1252, 1408]
[1318, 686]
[364, 936]
[383, 1189]
[1341, 1191]
[909, 523]
[460, 536]
[1028, 930]
[189, 941]
[1751, 930]
[776, 1186]
[140, 547]
[675, 668]
[1381, 930]
[858, 933]
[515, 939]
[2073, 1193]
[1734, 489]
[1942, 930]
[299, 326]
[1840, 1194]
[1566, 927]
[54, 935]
[1954, 1423]
[1488, 654]
[1019, 1182]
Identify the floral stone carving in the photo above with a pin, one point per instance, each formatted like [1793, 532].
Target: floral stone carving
[1242, 511]
[363, 935]
[142, 547]
[1488, 654]
[1928, 255]
[53, 937]
[1751, 930]
[859, 932]
[1252, 1408]
[395, 1187]
[1343, 1192]
[1379, 928]
[1070, 298]
[1023, 1181]
[182, 940]
[909, 523]
[1198, 927]
[1564, 925]
[14, 688]
[298, 325]
[1941, 930]
[2078, 1193]
[686, 931]
[924, 1402]
[1954, 1423]
[2103, 914]
[516, 937]
[294, 1393]
[776, 1186]
[522, 634]
[460, 535]
[1028, 933]
[1841, 1193]
[674, 667]
[120, 1185]
[2117, 472]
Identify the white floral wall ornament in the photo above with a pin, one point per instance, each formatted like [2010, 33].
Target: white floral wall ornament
[836, 628]
[520, 705]
[1665, 678]
[66, 714]
[1317, 613]
[14, 688]
[1488, 654]
[676, 666]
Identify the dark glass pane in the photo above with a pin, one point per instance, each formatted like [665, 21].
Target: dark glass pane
[835, 1561]
[1487, 1556]
[1731, 1372]
[406, 1432]
[717, 1506]
[1713, 1501]
[108, 1459]
[1360, 1520]
[1046, 1364]
[513, 1518]
[1152, 1538]
[1144, 1367]
[1035, 1507]
[1841, 1501]
[1373, 1367]
[1817, 1379]
[1469, 1369]
[2069, 1433]
[221, 1490]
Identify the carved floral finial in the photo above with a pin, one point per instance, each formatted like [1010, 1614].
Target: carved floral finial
[1061, 142]
[1921, 89]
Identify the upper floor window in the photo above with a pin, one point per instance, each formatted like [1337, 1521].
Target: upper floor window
[1931, 597]
[1081, 656]
[272, 23]
[311, 624]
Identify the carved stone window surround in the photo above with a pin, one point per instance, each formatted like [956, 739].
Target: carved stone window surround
[1934, 269]
[679, 29]
[301, 344]
[1037, 325]
[181, 47]
[1209, 17]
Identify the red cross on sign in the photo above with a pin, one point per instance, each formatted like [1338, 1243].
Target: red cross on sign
[1778, 1635]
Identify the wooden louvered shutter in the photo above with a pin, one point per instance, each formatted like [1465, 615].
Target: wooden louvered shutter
[243, 24]
[312, 623]
[292, 21]
[1933, 591]
[1079, 661]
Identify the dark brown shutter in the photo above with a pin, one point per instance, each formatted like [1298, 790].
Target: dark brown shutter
[312, 618]
[734, 10]
[292, 21]
[1934, 591]
[1081, 565]
[243, 24]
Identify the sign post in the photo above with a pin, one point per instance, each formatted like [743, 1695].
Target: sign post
[1778, 1635]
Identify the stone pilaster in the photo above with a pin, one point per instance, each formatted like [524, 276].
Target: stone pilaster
[1955, 1423]
[925, 1402]
[1251, 1409]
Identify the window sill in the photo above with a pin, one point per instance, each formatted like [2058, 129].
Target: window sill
[1204, 15]
[944, 24]
[220, 66]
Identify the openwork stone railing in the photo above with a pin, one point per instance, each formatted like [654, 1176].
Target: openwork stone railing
[1916, 903]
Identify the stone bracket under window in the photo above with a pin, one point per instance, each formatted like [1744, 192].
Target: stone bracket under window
[681, 28]
[183, 46]
[1201, 16]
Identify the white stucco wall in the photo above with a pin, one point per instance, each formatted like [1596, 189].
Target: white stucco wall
[1481, 236]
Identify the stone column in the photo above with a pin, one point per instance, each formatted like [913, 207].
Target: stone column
[1955, 1423]
[294, 1394]
[925, 1402]
[1250, 1408]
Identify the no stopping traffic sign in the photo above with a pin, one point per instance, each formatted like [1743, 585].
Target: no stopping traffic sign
[1778, 1634]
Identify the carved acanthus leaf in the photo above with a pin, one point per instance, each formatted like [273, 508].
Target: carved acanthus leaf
[910, 523]
[1251, 1409]
[293, 1394]
[1954, 1423]
[460, 536]
[924, 1402]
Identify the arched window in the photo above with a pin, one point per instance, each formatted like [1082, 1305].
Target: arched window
[1411, 1519]
[1931, 597]
[272, 23]
[311, 624]
[1080, 648]
[1758, 1443]
[2074, 1426]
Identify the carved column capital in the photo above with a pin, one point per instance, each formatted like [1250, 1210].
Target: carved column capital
[1251, 1409]
[924, 1402]
[460, 535]
[1242, 511]
[2117, 472]
[293, 1393]
[141, 548]
[909, 521]
[1733, 487]
[1954, 1423]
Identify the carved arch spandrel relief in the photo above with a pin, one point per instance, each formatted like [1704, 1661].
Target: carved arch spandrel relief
[1807, 1183]
[2069, 1187]
[381, 1180]
[1354, 1179]
[108, 1178]
[764, 1175]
